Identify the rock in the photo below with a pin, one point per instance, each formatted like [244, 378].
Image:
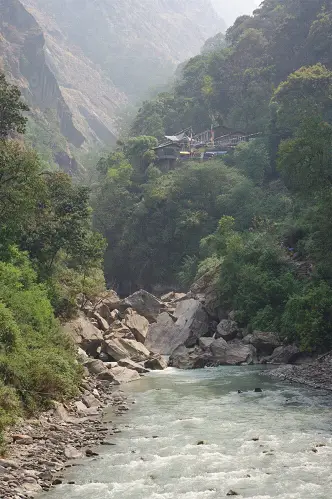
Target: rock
[95, 366]
[46, 475]
[192, 320]
[135, 351]
[224, 353]
[285, 355]
[102, 323]
[172, 297]
[57, 481]
[103, 311]
[138, 324]
[133, 365]
[111, 300]
[205, 343]
[90, 401]
[106, 376]
[91, 453]
[156, 364]
[163, 336]
[124, 375]
[114, 349]
[60, 411]
[144, 304]
[9, 463]
[22, 439]
[258, 390]
[232, 493]
[84, 334]
[190, 358]
[119, 330]
[227, 330]
[168, 297]
[72, 453]
[205, 290]
[84, 410]
[82, 355]
[32, 488]
[265, 343]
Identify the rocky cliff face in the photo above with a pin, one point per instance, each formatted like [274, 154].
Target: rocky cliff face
[106, 52]
[22, 57]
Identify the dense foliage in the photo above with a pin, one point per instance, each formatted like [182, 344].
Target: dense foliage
[260, 219]
[48, 255]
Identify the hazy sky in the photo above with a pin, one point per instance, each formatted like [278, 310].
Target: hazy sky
[229, 10]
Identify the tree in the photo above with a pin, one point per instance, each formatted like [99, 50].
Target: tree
[11, 108]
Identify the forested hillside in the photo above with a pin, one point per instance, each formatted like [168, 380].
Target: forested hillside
[259, 220]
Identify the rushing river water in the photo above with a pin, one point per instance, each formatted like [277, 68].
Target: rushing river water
[156, 455]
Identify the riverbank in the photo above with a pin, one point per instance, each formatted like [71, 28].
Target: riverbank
[317, 374]
[41, 449]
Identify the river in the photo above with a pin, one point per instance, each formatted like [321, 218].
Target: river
[274, 444]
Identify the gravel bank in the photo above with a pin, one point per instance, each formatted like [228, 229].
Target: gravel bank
[317, 374]
[40, 450]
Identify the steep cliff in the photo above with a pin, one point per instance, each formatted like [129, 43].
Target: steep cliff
[22, 57]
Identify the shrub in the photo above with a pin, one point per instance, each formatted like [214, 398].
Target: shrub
[308, 317]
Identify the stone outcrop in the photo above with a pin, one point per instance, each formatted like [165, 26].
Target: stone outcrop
[85, 334]
[224, 353]
[264, 343]
[133, 365]
[143, 303]
[163, 336]
[124, 375]
[287, 354]
[156, 363]
[135, 350]
[138, 324]
[192, 320]
[113, 348]
[227, 329]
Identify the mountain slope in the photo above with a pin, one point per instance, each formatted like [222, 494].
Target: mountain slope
[105, 53]
[86, 60]
[231, 10]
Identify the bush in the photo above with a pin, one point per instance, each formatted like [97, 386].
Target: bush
[37, 361]
[308, 318]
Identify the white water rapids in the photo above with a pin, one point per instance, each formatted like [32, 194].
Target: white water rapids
[156, 455]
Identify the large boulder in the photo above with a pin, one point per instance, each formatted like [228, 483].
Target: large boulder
[190, 358]
[205, 343]
[130, 364]
[163, 336]
[227, 329]
[192, 320]
[95, 366]
[102, 323]
[144, 304]
[114, 349]
[224, 353]
[84, 334]
[156, 363]
[111, 300]
[265, 343]
[138, 324]
[285, 355]
[135, 350]
[124, 375]
[189, 322]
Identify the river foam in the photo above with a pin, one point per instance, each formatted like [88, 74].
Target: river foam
[275, 444]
